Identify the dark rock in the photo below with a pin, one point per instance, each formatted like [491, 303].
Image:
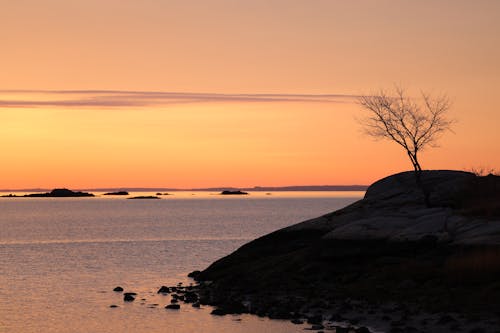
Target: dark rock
[174, 300]
[128, 297]
[194, 274]
[316, 327]
[297, 321]
[362, 329]
[173, 306]
[163, 290]
[113, 306]
[278, 313]
[118, 289]
[218, 312]
[233, 193]
[316, 319]
[477, 330]
[337, 317]
[196, 305]
[117, 193]
[190, 297]
[445, 319]
[144, 197]
[387, 248]
[130, 293]
[397, 330]
[340, 329]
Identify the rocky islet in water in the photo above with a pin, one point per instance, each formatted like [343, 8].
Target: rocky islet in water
[55, 193]
[237, 192]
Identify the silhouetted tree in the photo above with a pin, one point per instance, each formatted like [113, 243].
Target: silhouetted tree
[414, 124]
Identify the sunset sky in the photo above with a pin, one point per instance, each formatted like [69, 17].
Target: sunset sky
[152, 93]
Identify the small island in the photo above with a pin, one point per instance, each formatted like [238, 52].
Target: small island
[55, 193]
[117, 193]
[144, 197]
[237, 192]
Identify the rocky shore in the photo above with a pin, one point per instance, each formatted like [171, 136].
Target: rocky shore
[388, 262]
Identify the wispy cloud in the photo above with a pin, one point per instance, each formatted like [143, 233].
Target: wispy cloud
[123, 98]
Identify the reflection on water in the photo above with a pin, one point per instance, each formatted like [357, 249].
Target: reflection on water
[61, 258]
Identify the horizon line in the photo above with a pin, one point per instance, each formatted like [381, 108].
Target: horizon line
[212, 188]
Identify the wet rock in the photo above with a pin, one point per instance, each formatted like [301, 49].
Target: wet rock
[340, 329]
[127, 297]
[279, 313]
[113, 306]
[118, 289]
[190, 297]
[317, 327]
[173, 307]
[163, 290]
[196, 305]
[218, 312]
[194, 274]
[316, 319]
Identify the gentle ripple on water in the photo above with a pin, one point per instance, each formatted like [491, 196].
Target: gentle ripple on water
[60, 258]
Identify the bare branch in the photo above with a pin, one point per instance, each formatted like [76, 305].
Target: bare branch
[412, 124]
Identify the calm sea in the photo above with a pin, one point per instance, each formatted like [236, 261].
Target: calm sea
[60, 258]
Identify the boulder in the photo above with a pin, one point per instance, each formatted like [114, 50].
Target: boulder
[163, 290]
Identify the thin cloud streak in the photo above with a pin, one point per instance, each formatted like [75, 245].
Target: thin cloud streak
[124, 98]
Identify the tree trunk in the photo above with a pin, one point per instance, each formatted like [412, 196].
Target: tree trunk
[418, 178]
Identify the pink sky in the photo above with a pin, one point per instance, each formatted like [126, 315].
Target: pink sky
[236, 93]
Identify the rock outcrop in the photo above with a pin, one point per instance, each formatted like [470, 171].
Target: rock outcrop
[388, 247]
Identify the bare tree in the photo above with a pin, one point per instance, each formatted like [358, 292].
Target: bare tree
[414, 124]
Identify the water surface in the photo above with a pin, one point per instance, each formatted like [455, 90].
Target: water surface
[60, 258]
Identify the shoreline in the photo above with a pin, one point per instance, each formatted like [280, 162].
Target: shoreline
[388, 260]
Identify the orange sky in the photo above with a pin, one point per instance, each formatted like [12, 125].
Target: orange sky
[225, 93]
